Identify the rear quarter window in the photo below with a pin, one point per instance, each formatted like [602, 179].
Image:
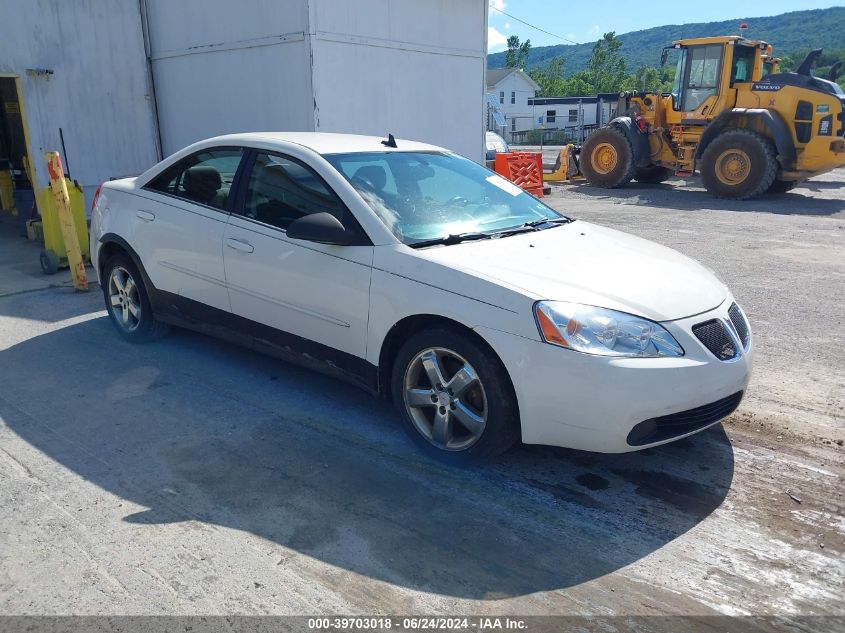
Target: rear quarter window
[203, 178]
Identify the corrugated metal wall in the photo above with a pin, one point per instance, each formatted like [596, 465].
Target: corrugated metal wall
[223, 67]
[98, 91]
[412, 68]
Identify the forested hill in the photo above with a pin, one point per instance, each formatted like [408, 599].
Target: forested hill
[790, 33]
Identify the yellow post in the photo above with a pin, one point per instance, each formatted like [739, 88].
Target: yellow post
[59, 189]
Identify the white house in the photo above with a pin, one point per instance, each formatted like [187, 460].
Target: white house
[126, 82]
[511, 89]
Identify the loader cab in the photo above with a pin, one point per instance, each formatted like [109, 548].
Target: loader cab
[708, 69]
[696, 76]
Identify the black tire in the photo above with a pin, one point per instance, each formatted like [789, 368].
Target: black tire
[501, 428]
[49, 262]
[653, 174]
[755, 160]
[612, 143]
[147, 327]
[783, 186]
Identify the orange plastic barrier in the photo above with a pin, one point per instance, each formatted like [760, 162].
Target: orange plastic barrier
[522, 168]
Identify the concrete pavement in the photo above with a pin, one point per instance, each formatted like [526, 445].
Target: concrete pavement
[189, 476]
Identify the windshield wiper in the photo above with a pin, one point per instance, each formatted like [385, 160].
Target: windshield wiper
[542, 221]
[455, 238]
[533, 226]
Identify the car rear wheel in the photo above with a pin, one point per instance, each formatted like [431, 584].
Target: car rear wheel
[127, 301]
[454, 396]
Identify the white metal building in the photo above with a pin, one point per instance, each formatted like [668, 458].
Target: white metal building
[567, 112]
[129, 81]
[570, 118]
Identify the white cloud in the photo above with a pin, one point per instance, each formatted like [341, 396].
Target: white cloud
[498, 4]
[507, 25]
[495, 40]
[594, 32]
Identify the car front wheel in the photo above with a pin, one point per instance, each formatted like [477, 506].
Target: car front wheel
[454, 396]
[127, 301]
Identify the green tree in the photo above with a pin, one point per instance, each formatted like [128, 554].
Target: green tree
[550, 79]
[579, 85]
[649, 79]
[606, 65]
[516, 53]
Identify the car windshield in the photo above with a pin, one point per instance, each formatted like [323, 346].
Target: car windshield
[423, 196]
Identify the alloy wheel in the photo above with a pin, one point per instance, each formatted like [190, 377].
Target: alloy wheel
[124, 300]
[445, 399]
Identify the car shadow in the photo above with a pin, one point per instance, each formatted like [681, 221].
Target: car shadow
[198, 430]
[674, 195]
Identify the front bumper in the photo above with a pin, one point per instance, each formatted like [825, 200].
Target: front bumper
[594, 402]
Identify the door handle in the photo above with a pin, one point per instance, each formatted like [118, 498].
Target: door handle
[239, 245]
[146, 216]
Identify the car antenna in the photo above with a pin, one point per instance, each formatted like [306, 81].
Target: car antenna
[390, 142]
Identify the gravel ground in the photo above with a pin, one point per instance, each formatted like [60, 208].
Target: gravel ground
[189, 476]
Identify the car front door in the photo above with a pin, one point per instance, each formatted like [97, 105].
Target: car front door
[318, 292]
[179, 225]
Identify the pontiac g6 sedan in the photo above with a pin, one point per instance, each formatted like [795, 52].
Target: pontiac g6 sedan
[485, 315]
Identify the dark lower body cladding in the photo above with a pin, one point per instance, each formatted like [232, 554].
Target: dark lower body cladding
[669, 426]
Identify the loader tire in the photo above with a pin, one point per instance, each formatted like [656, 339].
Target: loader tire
[739, 164]
[653, 174]
[607, 158]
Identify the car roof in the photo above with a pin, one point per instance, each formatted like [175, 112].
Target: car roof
[326, 142]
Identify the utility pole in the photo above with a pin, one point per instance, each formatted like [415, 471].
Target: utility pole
[581, 120]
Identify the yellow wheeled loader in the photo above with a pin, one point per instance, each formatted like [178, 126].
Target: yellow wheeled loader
[746, 127]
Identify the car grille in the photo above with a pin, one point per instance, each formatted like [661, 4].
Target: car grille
[715, 336]
[677, 424]
[740, 324]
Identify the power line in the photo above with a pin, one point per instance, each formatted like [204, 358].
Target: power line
[537, 28]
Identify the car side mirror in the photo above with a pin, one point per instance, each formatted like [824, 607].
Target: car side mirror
[323, 228]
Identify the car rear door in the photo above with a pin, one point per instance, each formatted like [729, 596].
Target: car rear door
[179, 225]
[317, 292]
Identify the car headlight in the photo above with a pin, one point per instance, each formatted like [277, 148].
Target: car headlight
[603, 332]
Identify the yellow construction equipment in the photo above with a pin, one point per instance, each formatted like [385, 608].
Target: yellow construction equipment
[747, 132]
[566, 166]
[771, 65]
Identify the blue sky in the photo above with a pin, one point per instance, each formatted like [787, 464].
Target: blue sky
[581, 21]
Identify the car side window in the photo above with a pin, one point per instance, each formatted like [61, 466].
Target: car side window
[205, 177]
[281, 189]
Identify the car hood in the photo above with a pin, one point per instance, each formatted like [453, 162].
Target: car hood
[589, 264]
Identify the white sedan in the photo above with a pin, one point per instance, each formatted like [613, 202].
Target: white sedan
[485, 315]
